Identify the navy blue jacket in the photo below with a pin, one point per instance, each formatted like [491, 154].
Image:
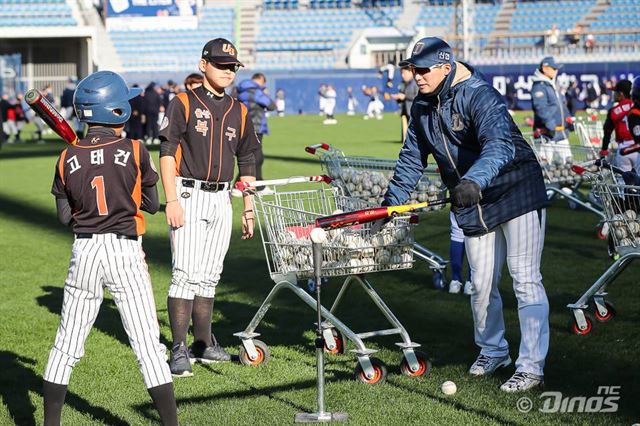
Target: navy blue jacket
[550, 110]
[471, 135]
[252, 95]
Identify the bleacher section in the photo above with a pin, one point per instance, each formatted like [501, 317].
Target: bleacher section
[177, 49]
[620, 15]
[312, 38]
[435, 16]
[35, 13]
[543, 15]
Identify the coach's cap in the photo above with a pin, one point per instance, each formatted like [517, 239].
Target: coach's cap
[220, 51]
[624, 87]
[550, 62]
[428, 52]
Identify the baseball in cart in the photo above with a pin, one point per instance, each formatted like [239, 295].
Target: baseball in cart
[367, 178]
[621, 207]
[285, 221]
[561, 181]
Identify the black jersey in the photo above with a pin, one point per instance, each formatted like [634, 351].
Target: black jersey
[102, 177]
[206, 133]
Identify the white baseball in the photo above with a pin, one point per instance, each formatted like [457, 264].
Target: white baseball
[621, 233]
[318, 235]
[448, 388]
[630, 214]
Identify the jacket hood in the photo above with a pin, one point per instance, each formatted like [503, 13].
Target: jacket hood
[248, 85]
[539, 76]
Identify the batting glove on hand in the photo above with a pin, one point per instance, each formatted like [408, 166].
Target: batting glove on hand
[466, 194]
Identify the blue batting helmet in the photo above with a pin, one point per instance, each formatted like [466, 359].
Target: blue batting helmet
[103, 98]
[635, 90]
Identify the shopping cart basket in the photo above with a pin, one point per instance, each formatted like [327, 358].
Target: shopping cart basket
[367, 178]
[556, 161]
[285, 220]
[621, 204]
[590, 133]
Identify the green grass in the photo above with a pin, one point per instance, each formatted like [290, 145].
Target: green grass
[107, 388]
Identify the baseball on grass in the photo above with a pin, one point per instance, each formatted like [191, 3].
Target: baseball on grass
[448, 388]
[318, 235]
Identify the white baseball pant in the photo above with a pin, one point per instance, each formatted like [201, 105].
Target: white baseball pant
[520, 241]
[627, 162]
[119, 265]
[199, 247]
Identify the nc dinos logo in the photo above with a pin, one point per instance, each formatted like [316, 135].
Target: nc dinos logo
[418, 48]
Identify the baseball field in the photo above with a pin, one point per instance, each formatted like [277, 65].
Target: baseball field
[107, 388]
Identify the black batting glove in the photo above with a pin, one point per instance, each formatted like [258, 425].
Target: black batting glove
[466, 194]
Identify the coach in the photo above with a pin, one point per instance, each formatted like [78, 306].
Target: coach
[498, 199]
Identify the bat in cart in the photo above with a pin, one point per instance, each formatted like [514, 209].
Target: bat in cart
[357, 217]
[244, 186]
[50, 115]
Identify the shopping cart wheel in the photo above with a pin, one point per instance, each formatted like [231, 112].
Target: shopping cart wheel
[573, 325]
[380, 372]
[438, 280]
[611, 312]
[340, 343]
[603, 231]
[264, 354]
[423, 370]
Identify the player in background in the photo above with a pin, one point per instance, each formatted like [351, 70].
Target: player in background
[407, 91]
[551, 118]
[204, 132]
[193, 81]
[330, 105]
[101, 185]
[498, 198]
[633, 119]
[617, 121]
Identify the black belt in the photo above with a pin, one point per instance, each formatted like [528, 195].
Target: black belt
[118, 236]
[206, 186]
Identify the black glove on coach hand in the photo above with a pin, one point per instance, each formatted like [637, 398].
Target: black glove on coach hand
[466, 194]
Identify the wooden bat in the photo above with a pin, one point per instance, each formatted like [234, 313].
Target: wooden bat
[369, 215]
[51, 116]
[244, 186]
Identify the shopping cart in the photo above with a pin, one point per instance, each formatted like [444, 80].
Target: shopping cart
[590, 133]
[285, 220]
[621, 204]
[367, 178]
[556, 161]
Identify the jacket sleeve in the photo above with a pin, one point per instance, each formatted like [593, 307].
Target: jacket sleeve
[264, 101]
[492, 125]
[410, 166]
[541, 108]
[633, 120]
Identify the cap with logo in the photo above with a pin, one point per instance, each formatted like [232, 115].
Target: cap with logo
[220, 51]
[550, 62]
[429, 51]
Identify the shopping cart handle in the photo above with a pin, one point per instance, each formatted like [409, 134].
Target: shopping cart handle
[630, 149]
[579, 170]
[313, 148]
[244, 186]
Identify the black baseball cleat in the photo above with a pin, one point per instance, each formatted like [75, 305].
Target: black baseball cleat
[179, 363]
[198, 352]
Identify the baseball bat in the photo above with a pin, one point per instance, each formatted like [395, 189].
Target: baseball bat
[51, 116]
[630, 149]
[369, 215]
[244, 186]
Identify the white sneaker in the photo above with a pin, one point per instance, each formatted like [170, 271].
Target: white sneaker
[521, 382]
[366, 117]
[486, 365]
[455, 286]
[156, 141]
[468, 288]
[330, 121]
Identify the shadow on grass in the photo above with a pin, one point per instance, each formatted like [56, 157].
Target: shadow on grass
[18, 380]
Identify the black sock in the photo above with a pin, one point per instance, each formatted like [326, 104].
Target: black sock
[54, 395]
[165, 402]
[179, 316]
[202, 311]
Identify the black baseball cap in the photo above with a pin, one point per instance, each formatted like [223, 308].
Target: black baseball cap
[549, 61]
[624, 87]
[220, 51]
[429, 51]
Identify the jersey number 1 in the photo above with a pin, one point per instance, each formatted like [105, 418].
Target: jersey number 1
[101, 199]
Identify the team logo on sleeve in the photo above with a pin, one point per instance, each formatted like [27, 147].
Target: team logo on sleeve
[538, 94]
[165, 123]
[458, 122]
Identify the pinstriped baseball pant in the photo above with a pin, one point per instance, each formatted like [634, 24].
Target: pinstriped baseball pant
[119, 265]
[199, 247]
[520, 242]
